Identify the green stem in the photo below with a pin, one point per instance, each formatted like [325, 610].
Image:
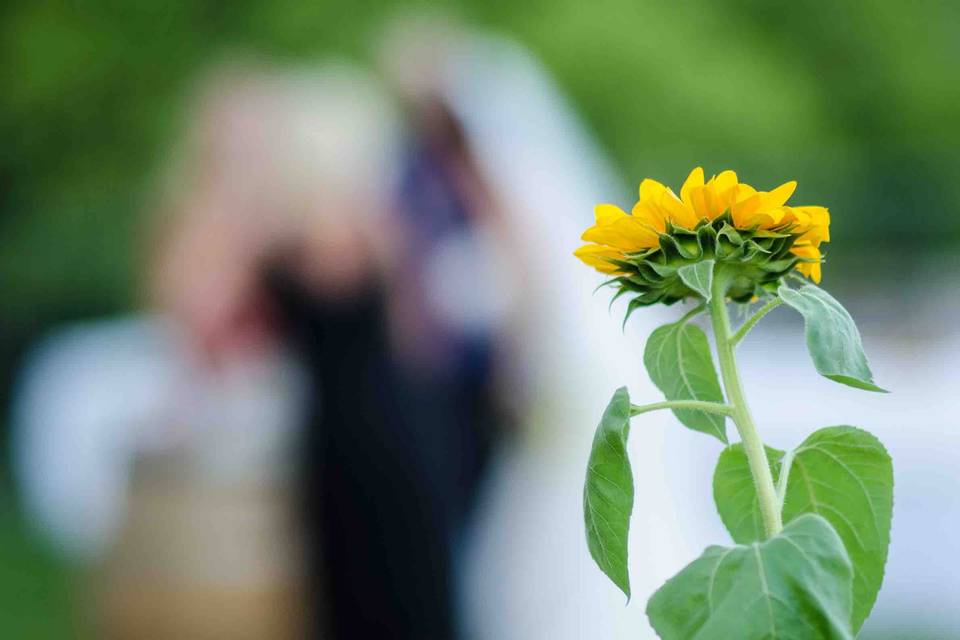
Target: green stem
[702, 405]
[689, 315]
[754, 319]
[750, 438]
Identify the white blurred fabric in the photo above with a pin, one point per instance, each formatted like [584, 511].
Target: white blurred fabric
[96, 396]
[530, 575]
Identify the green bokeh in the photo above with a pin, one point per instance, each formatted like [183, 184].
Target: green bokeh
[855, 101]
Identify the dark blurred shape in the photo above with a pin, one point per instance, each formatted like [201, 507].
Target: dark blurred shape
[377, 521]
[406, 412]
[393, 442]
[282, 237]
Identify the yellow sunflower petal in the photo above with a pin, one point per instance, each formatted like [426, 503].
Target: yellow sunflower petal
[744, 210]
[651, 190]
[679, 213]
[694, 180]
[763, 219]
[599, 257]
[813, 270]
[796, 216]
[810, 269]
[742, 192]
[701, 201]
[650, 215]
[779, 196]
[818, 215]
[725, 181]
[716, 196]
[607, 213]
[812, 223]
[627, 234]
[816, 235]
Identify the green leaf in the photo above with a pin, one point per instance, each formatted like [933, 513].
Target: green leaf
[679, 362]
[608, 492]
[832, 337]
[794, 586]
[841, 473]
[735, 495]
[699, 277]
[845, 475]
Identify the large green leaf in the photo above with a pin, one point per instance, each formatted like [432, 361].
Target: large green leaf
[794, 586]
[841, 473]
[679, 362]
[845, 475]
[699, 277]
[735, 495]
[608, 492]
[832, 337]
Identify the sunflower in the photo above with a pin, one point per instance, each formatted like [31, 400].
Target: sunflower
[755, 233]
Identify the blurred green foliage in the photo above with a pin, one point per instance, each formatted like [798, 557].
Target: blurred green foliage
[856, 100]
[37, 593]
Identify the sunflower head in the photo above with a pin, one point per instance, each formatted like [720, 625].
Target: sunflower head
[754, 234]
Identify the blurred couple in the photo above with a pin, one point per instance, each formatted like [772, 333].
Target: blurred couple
[358, 285]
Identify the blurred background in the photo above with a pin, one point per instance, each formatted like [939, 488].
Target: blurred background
[292, 343]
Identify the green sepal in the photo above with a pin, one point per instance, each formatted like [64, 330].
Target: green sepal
[757, 258]
[699, 277]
